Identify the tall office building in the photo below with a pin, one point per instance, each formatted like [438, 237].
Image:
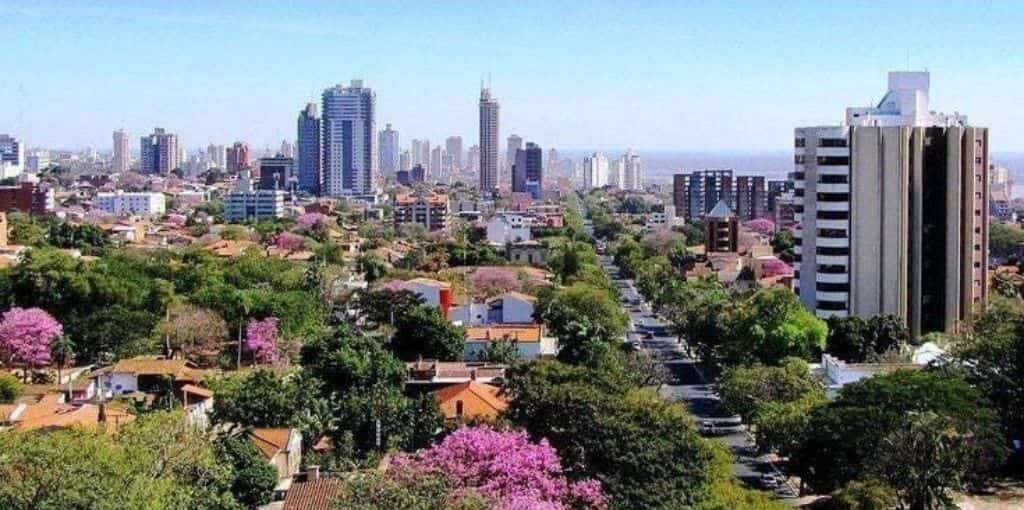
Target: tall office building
[405, 161]
[512, 146]
[158, 152]
[309, 151]
[218, 156]
[420, 152]
[436, 158]
[12, 157]
[122, 159]
[553, 161]
[892, 212]
[595, 171]
[453, 146]
[389, 151]
[488, 141]
[238, 157]
[350, 142]
[528, 170]
[473, 159]
[276, 172]
[632, 173]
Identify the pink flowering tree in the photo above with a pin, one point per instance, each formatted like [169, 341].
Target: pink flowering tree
[775, 267]
[261, 340]
[289, 242]
[26, 335]
[491, 281]
[310, 221]
[176, 219]
[503, 466]
[761, 226]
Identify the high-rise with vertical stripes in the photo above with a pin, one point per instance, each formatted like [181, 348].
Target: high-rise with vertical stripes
[309, 150]
[892, 212]
[488, 141]
[121, 160]
[350, 142]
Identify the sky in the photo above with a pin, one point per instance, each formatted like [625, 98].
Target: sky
[708, 76]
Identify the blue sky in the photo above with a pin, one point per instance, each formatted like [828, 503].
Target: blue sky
[581, 74]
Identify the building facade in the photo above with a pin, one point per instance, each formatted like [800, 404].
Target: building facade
[488, 141]
[238, 157]
[892, 212]
[751, 197]
[432, 210]
[309, 150]
[528, 171]
[277, 173]
[131, 203]
[453, 146]
[595, 171]
[246, 202]
[217, 155]
[389, 151]
[122, 159]
[158, 152]
[28, 197]
[350, 142]
[12, 157]
[632, 172]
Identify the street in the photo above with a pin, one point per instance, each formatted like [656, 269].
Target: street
[686, 384]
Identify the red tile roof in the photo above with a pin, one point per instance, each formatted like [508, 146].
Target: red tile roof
[319, 494]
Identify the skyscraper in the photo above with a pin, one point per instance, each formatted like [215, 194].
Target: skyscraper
[488, 141]
[405, 161]
[420, 152]
[453, 146]
[350, 141]
[892, 212]
[528, 170]
[513, 144]
[595, 171]
[473, 159]
[389, 151]
[217, 155]
[122, 159]
[158, 152]
[238, 157]
[309, 150]
[632, 171]
[436, 158]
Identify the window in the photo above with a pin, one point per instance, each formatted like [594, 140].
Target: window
[831, 306]
[832, 233]
[458, 408]
[832, 142]
[798, 176]
[834, 160]
[833, 215]
[833, 179]
[831, 269]
[800, 142]
[834, 197]
[829, 250]
[799, 192]
[798, 159]
[832, 287]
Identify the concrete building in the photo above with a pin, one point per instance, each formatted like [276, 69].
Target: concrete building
[512, 145]
[123, 203]
[528, 171]
[751, 197]
[453, 146]
[27, 196]
[158, 152]
[238, 157]
[892, 208]
[595, 171]
[217, 155]
[432, 210]
[420, 152]
[389, 151]
[695, 194]
[721, 229]
[437, 155]
[12, 157]
[473, 159]
[508, 228]
[489, 108]
[350, 142]
[632, 171]
[309, 151]
[122, 158]
[246, 202]
[277, 172]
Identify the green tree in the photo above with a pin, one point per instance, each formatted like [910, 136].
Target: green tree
[26, 230]
[252, 478]
[505, 350]
[698, 312]
[372, 266]
[1004, 239]
[260, 398]
[772, 325]
[868, 414]
[10, 388]
[424, 332]
[585, 304]
[743, 389]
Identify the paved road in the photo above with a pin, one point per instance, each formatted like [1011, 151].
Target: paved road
[687, 384]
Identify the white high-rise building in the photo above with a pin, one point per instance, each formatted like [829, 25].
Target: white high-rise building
[436, 159]
[595, 171]
[218, 156]
[122, 159]
[632, 171]
[350, 142]
[12, 157]
[489, 108]
[453, 146]
[390, 158]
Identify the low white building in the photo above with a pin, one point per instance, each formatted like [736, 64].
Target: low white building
[506, 228]
[530, 340]
[248, 203]
[508, 308]
[122, 203]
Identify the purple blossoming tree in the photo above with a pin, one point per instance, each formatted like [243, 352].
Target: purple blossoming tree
[761, 226]
[26, 335]
[289, 241]
[310, 221]
[503, 466]
[493, 281]
[261, 339]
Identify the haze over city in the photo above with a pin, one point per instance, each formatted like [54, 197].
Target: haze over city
[590, 75]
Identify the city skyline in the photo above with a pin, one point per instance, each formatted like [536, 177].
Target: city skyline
[656, 92]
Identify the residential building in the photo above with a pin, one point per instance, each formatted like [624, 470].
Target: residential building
[147, 374]
[217, 155]
[530, 340]
[423, 207]
[276, 172]
[776, 188]
[12, 157]
[632, 171]
[528, 170]
[26, 196]
[489, 108]
[123, 203]
[420, 150]
[506, 228]
[247, 203]
[512, 145]
[158, 152]
[37, 160]
[122, 158]
[721, 229]
[595, 171]
[433, 292]
[471, 400]
[238, 157]
[473, 159]
[405, 161]
[282, 448]
[784, 210]
[350, 142]
[389, 151]
[309, 151]
[892, 212]
[417, 175]
[751, 197]
[453, 146]
[436, 158]
[695, 194]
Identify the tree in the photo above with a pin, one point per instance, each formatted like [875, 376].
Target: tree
[772, 325]
[699, 311]
[10, 389]
[504, 351]
[586, 304]
[782, 244]
[288, 241]
[372, 267]
[261, 340]
[743, 389]
[504, 467]
[857, 340]
[1004, 239]
[26, 230]
[634, 204]
[424, 332]
[489, 282]
[868, 415]
[260, 399]
[252, 478]
[197, 333]
[26, 336]
[567, 259]
[63, 353]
